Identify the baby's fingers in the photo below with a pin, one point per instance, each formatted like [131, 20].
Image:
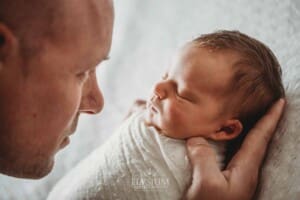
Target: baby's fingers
[254, 147]
[203, 159]
[207, 177]
[199, 149]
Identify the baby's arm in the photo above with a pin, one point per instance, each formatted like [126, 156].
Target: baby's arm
[239, 179]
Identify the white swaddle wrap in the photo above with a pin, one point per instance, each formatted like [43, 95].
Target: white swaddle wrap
[135, 163]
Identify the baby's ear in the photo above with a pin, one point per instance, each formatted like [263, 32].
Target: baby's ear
[229, 130]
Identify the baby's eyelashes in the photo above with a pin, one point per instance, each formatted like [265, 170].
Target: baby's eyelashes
[165, 76]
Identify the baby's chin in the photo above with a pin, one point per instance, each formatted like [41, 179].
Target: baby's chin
[162, 132]
[149, 121]
[147, 118]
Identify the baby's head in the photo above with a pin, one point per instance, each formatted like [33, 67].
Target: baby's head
[218, 86]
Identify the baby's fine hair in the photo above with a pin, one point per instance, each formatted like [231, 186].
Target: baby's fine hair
[256, 82]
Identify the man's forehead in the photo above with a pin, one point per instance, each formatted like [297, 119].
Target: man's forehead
[92, 32]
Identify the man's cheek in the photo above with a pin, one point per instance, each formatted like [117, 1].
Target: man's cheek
[71, 97]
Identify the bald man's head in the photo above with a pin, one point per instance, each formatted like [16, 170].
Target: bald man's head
[49, 50]
[32, 21]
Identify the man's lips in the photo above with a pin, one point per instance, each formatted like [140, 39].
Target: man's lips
[69, 132]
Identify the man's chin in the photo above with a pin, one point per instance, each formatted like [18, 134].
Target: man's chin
[41, 171]
[30, 172]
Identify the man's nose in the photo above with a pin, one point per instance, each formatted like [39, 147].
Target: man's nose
[92, 99]
[161, 90]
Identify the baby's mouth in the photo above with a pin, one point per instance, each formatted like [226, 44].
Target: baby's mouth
[151, 106]
[153, 109]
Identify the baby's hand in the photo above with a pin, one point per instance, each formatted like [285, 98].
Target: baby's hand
[206, 173]
[205, 151]
[138, 105]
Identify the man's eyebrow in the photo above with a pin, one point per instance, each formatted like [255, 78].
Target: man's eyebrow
[106, 58]
[103, 59]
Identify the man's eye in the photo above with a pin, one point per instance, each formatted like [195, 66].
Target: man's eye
[83, 76]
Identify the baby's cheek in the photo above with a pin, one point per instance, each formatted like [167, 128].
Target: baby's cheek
[174, 114]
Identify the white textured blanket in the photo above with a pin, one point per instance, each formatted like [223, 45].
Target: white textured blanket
[135, 163]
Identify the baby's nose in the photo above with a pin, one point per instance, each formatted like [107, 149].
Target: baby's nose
[160, 91]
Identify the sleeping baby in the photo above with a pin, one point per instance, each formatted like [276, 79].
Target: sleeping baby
[218, 86]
